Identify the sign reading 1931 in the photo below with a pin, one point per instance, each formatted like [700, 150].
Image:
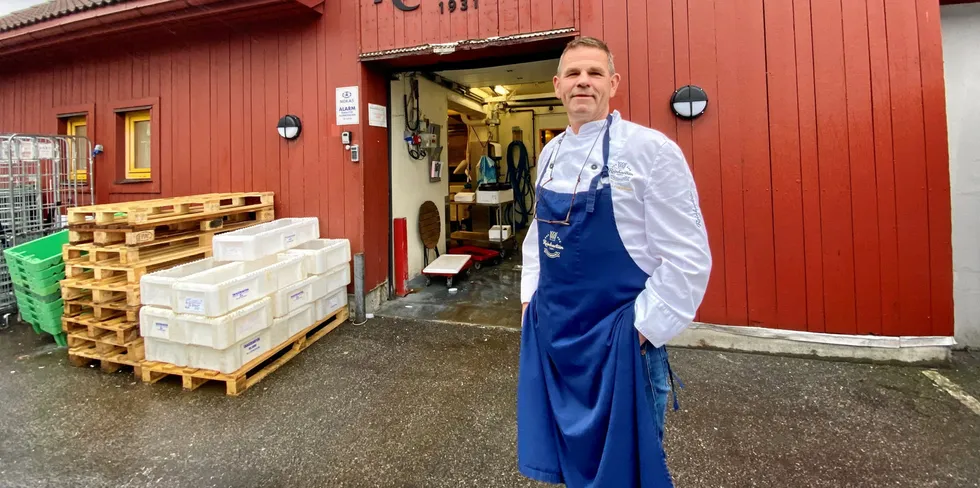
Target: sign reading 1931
[462, 5]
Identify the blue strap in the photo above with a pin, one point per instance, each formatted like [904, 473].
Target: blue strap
[673, 391]
[594, 186]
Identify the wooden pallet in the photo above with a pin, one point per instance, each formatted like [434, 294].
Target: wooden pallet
[151, 261]
[253, 372]
[103, 291]
[80, 254]
[116, 331]
[109, 362]
[164, 209]
[132, 235]
[102, 311]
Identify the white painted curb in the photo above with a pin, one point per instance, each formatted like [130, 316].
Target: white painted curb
[932, 349]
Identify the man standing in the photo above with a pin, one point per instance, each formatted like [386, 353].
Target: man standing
[616, 263]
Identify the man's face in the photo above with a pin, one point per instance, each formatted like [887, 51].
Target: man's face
[585, 85]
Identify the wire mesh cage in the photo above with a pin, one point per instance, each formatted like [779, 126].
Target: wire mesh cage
[41, 176]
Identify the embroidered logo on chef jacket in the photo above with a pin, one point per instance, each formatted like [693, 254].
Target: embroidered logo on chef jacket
[552, 245]
[620, 174]
[695, 209]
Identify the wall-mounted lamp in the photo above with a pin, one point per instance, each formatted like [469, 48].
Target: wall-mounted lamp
[689, 102]
[289, 127]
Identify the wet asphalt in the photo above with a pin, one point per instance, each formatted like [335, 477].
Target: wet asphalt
[403, 403]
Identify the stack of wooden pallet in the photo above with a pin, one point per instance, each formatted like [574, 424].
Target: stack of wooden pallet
[112, 246]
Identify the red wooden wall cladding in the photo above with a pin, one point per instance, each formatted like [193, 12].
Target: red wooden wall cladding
[219, 99]
[821, 161]
[385, 26]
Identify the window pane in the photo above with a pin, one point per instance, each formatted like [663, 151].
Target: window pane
[142, 138]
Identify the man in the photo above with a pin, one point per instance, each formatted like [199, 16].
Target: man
[616, 263]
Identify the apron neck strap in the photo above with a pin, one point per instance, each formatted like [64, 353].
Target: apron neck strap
[594, 186]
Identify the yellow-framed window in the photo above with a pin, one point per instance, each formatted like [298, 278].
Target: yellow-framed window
[138, 145]
[78, 126]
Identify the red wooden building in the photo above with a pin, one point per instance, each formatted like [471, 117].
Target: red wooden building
[821, 162]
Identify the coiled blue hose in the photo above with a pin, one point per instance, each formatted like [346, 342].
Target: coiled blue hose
[519, 174]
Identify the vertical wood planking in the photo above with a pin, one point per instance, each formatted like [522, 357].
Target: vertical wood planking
[270, 160]
[810, 178]
[353, 203]
[660, 64]
[682, 70]
[311, 103]
[884, 167]
[413, 27]
[369, 26]
[541, 15]
[563, 14]
[199, 177]
[760, 255]
[182, 122]
[787, 193]
[431, 21]
[912, 201]
[237, 97]
[937, 168]
[489, 18]
[730, 143]
[333, 206]
[283, 148]
[636, 21]
[615, 15]
[472, 29]
[296, 104]
[835, 187]
[445, 26]
[221, 144]
[867, 273]
[386, 25]
[706, 155]
[458, 22]
[524, 15]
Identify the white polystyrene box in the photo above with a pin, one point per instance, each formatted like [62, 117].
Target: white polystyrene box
[232, 358]
[157, 288]
[323, 254]
[300, 319]
[222, 290]
[224, 331]
[165, 351]
[294, 296]
[279, 331]
[265, 239]
[331, 303]
[160, 323]
[334, 278]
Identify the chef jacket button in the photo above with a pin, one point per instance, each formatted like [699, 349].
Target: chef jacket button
[594, 166]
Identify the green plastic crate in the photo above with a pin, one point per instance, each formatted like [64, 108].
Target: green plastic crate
[42, 278]
[44, 291]
[39, 254]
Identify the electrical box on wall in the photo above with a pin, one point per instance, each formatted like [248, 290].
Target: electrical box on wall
[345, 137]
[355, 153]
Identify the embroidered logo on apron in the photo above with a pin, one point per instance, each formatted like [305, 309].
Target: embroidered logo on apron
[552, 245]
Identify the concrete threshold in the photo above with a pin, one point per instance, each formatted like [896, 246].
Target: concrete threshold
[926, 351]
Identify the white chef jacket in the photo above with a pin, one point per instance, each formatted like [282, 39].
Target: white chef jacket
[657, 212]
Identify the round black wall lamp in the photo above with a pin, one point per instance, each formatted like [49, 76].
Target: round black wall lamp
[289, 127]
[689, 102]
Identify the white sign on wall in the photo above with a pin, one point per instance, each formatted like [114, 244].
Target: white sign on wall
[347, 105]
[377, 115]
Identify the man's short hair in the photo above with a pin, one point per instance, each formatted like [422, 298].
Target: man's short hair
[592, 42]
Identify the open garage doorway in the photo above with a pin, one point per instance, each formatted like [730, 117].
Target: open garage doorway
[464, 147]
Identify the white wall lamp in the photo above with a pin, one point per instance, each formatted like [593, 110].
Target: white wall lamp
[289, 127]
[689, 102]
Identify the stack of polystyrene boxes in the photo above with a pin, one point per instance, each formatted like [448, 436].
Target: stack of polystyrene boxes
[262, 286]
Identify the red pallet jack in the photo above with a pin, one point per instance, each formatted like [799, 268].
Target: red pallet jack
[479, 255]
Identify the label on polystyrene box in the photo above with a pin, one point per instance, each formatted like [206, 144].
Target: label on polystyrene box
[162, 328]
[233, 253]
[289, 238]
[240, 294]
[298, 295]
[252, 347]
[194, 305]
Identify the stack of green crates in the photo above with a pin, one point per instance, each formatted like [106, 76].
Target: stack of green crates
[36, 269]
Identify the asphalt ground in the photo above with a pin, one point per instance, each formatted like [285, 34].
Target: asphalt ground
[403, 403]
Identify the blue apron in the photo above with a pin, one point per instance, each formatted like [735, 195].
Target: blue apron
[583, 416]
